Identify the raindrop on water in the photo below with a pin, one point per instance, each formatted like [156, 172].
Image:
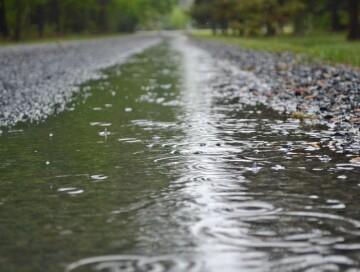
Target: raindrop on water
[255, 168]
[325, 159]
[98, 177]
[104, 133]
[278, 167]
[342, 177]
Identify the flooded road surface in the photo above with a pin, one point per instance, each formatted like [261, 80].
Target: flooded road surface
[161, 166]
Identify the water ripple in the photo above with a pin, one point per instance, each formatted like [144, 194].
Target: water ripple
[133, 263]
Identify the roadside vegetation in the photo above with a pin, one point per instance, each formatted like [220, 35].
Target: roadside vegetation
[322, 46]
[327, 30]
[42, 19]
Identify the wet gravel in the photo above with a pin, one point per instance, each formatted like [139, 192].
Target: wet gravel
[298, 88]
[39, 80]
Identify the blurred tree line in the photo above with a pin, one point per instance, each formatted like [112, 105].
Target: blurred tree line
[271, 17]
[28, 18]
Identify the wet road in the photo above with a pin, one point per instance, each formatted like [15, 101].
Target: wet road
[39, 80]
[160, 166]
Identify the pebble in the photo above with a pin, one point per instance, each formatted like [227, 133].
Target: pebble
[331, 93]
[38, 80]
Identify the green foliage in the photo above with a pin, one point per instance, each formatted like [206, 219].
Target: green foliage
[246, 16]
[203, 13]
[323, 46]
[270, 17]
[26, 19]
[178, 19]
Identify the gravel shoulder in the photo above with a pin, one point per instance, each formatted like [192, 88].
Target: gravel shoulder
[40, 79]
[299, 89]
[37, 80]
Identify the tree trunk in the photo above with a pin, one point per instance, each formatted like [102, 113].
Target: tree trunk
[102, 16]
[270, 30]
[354, 29]
[269, 22]
[4, 31]
[213, 28]
[58, 16]
[18, 19]
[335, 21]
[40, 20]
[335, 17]
[224, 27]
[299, 25]
[53, 14]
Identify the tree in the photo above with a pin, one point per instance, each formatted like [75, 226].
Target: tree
[44, 17]
[20, 16]
[270, 15]
[3, 23]
[178, 19]
[354, 28]
[335, 7]
[202, 12]
[38, 15]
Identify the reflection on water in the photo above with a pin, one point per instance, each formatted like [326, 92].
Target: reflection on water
[165, 168]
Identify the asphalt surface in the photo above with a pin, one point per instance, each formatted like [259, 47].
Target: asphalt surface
[39, 80]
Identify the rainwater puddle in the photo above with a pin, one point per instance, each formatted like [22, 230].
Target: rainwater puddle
[164, 165]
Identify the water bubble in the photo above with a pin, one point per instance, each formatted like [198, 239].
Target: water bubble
[325, 159]
[150, 145]
[104, 133]
[129, 140]
[133, 263]
[100, 124]
[98, 177]
[71, 190]
[76, 192]
[255, 168]
[165, 86]
[278, 167]
[160, 100]
[66, 189]
[342, 177]
[156, 138]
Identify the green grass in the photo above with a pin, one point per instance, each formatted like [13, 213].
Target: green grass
[325, 47]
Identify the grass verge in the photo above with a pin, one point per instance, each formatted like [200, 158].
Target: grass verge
[325, 47]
